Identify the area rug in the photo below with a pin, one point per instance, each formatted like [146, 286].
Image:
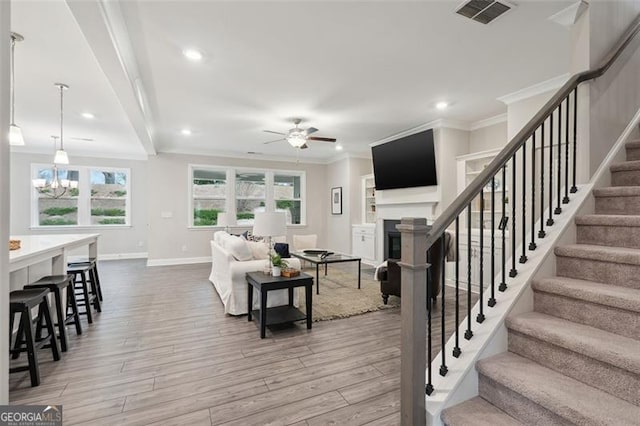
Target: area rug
[339, 295]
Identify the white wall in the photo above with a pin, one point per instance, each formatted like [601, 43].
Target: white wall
[167, 191]
[488, 138]
[5, 14]
[117, 241]
[450, 143]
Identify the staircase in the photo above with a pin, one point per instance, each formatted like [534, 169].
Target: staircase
[576, 358]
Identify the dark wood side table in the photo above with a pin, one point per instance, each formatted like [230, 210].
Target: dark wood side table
[280, 314]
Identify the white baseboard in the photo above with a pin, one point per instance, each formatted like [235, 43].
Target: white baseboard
[123, 256]
[178, 261]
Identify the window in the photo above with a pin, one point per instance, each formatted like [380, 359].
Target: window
[61, 211]
[251, 196]
[242, 193]
[287, 190]
[209, 190]
[101, 197]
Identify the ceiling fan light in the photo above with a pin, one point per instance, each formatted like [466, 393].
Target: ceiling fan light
[61, 157]
[15, 135]
[296, 141]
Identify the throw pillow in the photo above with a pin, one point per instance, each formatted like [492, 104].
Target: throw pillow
[239, 249]
[259, 250]
[282, 249]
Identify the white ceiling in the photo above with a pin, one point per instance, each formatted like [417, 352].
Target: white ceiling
[358, 71]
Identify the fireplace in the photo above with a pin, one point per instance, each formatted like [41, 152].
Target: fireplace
[392, 242]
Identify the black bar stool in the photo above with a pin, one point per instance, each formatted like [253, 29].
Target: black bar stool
[85, 297]
[93, 272]
[55, 284]
[21, 302]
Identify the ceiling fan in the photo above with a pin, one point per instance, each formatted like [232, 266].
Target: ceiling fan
[298, 137]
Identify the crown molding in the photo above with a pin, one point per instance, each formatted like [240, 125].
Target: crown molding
[244, 156]
[537, 89]
[435, 124]
[83, 154]
[491, 121]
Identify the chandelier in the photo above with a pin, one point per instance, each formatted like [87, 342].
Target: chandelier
[57, 187]
[15, 133]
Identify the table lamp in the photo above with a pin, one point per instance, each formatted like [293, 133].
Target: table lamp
[226, 220]
[270, 224]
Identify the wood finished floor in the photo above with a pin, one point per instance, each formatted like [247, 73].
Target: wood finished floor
[163, 352]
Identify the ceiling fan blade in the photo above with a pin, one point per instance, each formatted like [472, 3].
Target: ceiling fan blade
[310, 130]
[277, 133]
[275, 140]
[305, 146]
[83, 139]
[319, 139]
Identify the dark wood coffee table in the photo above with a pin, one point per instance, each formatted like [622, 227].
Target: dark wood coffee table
[279, 314]
[318, 259]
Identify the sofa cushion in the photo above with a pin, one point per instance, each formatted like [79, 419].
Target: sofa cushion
[282, 249]
[259, 250]
[238, 248]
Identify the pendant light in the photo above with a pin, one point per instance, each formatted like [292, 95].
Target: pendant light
[56, 187]
[61, 156]
[15, 133]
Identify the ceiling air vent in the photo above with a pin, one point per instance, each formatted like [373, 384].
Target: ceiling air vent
[483, 11]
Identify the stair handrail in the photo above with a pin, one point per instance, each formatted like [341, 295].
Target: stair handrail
[470, 192]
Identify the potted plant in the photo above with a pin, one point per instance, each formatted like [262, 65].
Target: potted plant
[278, 263]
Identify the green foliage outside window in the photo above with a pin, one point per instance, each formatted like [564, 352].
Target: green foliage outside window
[59, 211]
[107, 212]
[205, 217]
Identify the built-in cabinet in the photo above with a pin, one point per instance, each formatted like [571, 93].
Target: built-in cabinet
[368, 199]
[468, 168]
[363, 242]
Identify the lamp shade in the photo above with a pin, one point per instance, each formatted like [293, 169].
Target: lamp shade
[61, 157]
[270, 224]
[225, 219]
[15, 135]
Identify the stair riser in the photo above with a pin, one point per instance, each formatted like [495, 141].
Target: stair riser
[618, 205]
[618, 321]
[516, 405]
[620, 274]
[633, 154]
[613, 236]
[625, 178]
[590, 371]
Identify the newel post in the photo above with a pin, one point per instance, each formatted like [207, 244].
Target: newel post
[413, 360]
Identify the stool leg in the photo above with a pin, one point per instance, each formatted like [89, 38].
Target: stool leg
[94, 291]
[60, 314]
[46, 314]
[39, 325]
[97, 278]
[72, 303]
[11, 318]
[87, 305]
[27, 326]
[18, 343]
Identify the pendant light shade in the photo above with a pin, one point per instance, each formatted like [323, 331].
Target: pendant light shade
[61, 157]
[15, 133]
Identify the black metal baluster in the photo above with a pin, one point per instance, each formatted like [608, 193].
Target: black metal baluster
[558, 209]
[468, 334]
[574, 188]
[532, 245]
[550, 221]
[523, 257]
[503, 227]
[443, 248]
[541, 233]
[429, 386]
[565, 200]
[480, 316]
[456, 350]
[492, 300]
[513, 272]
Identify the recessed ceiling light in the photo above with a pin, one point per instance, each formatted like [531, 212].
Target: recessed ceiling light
[186, 132]
[88, 115]
[338, 147]
[442, 105]
[192, 55]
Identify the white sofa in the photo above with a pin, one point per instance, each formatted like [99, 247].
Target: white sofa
[228, 274]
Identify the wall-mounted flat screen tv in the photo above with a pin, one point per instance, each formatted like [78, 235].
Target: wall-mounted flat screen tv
[406, 162]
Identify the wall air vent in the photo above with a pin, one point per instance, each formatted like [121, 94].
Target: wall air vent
[483, 11]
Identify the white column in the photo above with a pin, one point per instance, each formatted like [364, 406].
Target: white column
[5, 25]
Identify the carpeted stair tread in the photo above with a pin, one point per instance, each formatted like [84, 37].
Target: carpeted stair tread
[478, 412]
[608, 220]
[623, 255]
[567, 398]
[621, 352]
[633, 144]
[617, 191]
[590, 291]
[625, 166]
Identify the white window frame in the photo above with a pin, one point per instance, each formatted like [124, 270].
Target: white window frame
[84, 197]
[230, 205]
